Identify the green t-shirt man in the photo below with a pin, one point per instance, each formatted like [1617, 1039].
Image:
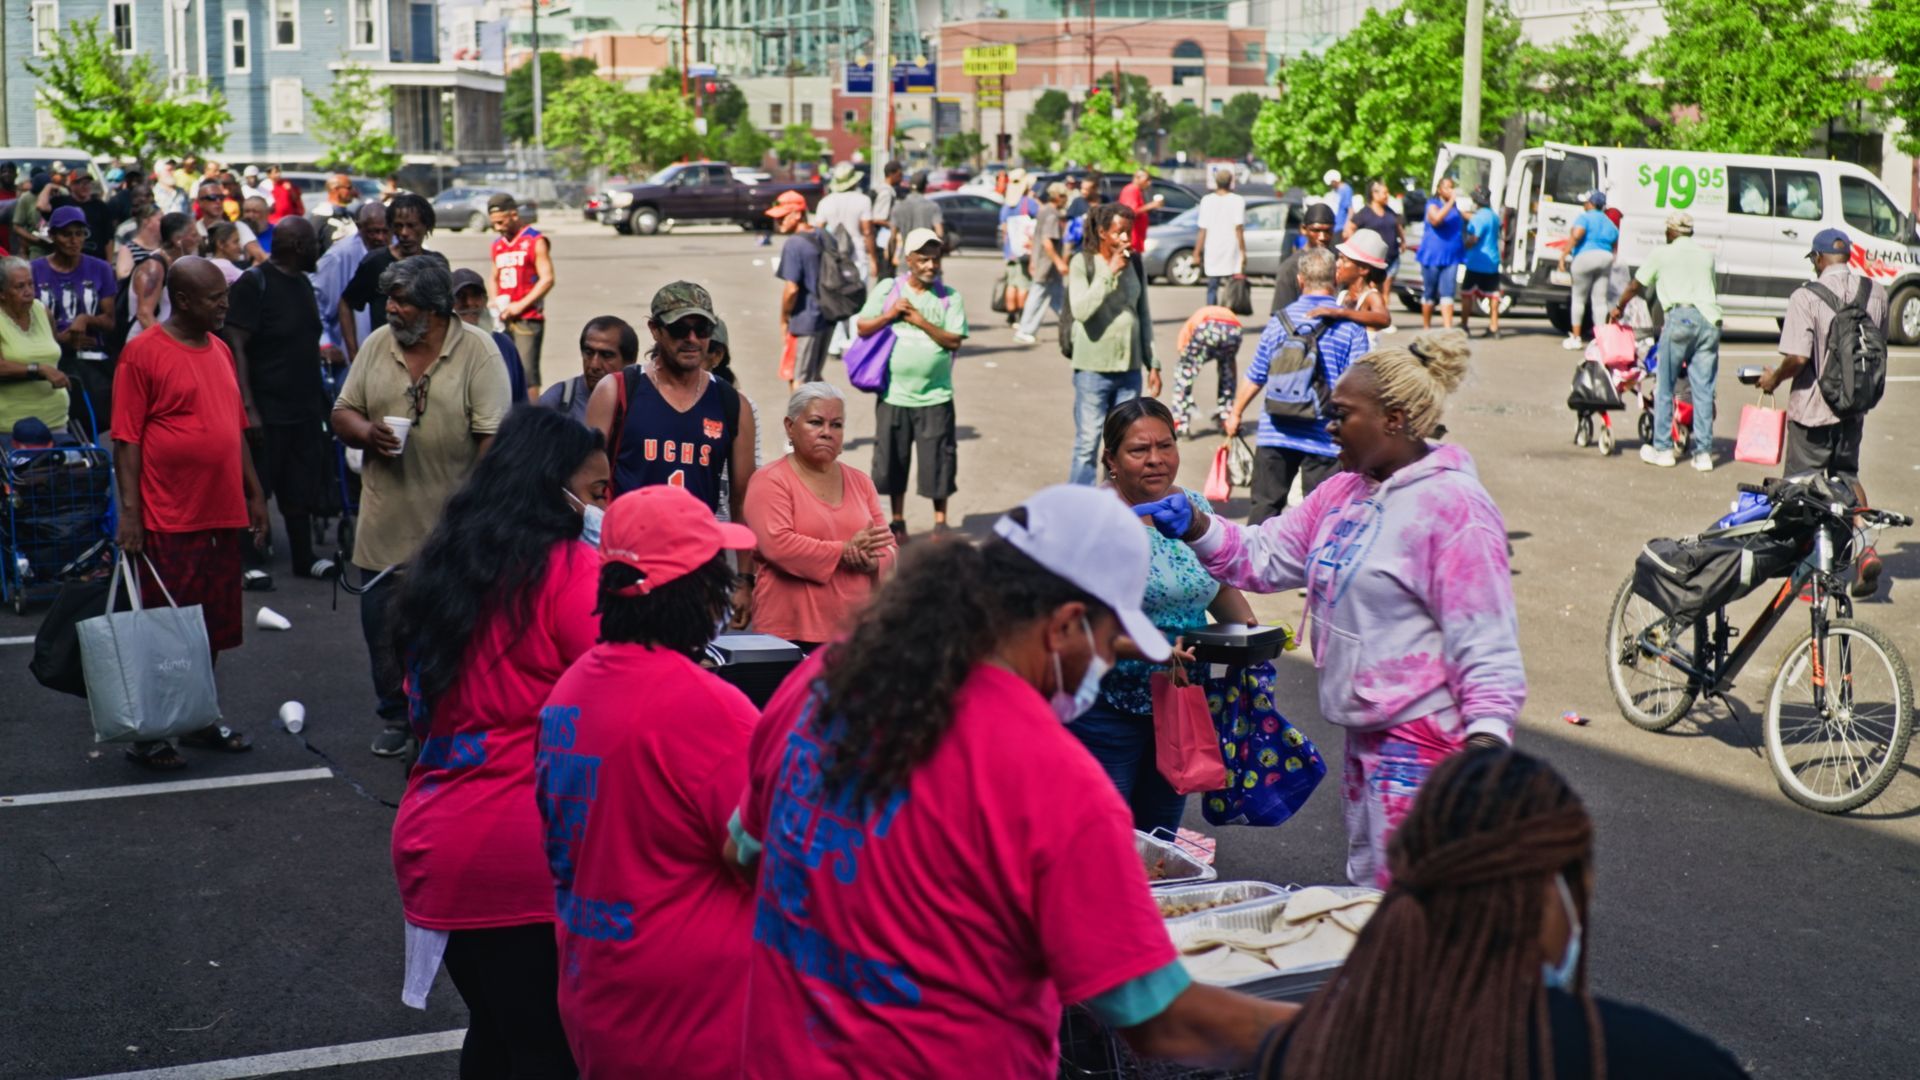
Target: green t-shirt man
[919, 372]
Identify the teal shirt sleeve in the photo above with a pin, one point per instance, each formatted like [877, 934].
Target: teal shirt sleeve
[1137, 1001]
[954, 321]
[744, 845]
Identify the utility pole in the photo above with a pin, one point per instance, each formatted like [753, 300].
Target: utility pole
[1090, 7]
[539, 126]
[882, 116]
[1470, 74]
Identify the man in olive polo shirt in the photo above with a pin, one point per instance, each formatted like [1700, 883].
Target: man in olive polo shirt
[447, 380]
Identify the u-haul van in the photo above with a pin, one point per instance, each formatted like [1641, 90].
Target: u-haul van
[1757, 214]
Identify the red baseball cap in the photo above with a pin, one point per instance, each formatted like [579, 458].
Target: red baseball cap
[789, 203]
[666, 533]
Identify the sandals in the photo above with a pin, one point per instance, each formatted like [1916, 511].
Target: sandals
[218, 737]
[163, 759]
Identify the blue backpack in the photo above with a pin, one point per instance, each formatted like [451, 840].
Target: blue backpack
[1297, 388]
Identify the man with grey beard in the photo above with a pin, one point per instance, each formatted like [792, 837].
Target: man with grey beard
[423, 398]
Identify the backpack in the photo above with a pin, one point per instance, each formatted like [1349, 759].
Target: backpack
[1297, 387]
[1019, 229]
[843, 288]
[123, 314]
[1853, 362]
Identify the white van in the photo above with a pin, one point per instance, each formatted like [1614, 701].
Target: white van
[1757, 214]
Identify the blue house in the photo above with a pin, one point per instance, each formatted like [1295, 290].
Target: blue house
[265, 56]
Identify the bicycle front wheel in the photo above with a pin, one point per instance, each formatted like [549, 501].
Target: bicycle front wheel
[1840, 754]
[1652, 693]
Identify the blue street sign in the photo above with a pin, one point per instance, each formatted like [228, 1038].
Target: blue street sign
[859, 80]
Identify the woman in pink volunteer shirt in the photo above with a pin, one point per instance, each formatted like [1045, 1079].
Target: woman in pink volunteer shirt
[941, 864]
[1404, 559]
[642, 756]
[497, 604]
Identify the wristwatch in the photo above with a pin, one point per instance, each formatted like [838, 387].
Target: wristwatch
[33, 371]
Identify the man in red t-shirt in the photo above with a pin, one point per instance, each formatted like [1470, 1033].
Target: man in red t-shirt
[522, 278]
[1135, 195]
[286, 197]
[188, 494]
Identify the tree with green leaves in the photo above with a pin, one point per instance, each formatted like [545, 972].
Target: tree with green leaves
[516, 104]
[960, 149]
[1379, 100]
[121, 107]
[595, 124]
[1202, 136]
[1104, 140]
[1892, 39]
[743, 144]
[1589, 90]
[796, 144]
[1756, 76]
[1148, 106]
[1045, 125]
[351, 121]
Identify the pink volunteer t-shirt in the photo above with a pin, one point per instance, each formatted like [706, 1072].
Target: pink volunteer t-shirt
[940, 932]
[467, 847]
[642, 759]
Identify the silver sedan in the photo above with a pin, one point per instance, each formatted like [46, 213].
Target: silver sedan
[1273, 226]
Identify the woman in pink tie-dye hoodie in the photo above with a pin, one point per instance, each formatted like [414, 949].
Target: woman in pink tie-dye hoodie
[1404, 559]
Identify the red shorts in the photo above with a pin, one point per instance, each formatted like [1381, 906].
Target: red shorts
[202, 568]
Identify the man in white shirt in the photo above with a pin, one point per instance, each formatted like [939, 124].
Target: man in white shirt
[1222, 242]
[842, 216]
[251, 186]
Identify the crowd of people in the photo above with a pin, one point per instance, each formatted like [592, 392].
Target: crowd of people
[603, 841]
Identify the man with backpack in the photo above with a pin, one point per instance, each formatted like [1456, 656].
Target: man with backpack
[824, 284]
[1833, 348]
[1293, 372]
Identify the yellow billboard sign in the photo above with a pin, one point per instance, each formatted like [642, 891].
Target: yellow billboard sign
[989, 59]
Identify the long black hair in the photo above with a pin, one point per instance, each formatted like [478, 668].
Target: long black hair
[488, 556]
[891, 683]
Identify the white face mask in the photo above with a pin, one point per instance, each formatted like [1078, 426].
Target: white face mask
[590, 519]
[1069, 707]
[1560, 976]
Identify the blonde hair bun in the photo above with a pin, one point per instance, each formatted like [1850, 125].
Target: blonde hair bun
[1444, 354]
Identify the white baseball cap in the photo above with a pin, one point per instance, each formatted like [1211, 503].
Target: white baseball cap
[919, 239]
[1087, 536]
[1332, 177]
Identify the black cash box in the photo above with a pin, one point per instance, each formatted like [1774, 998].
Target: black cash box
[1236, 644]
[756, 663]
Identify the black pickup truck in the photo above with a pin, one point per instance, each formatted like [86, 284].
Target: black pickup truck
[695, 192]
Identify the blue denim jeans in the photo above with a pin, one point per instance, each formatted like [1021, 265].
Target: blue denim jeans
[1687, 339]
[1213, 290]
[1042, 295]
[1095, 393]
[1123, 745]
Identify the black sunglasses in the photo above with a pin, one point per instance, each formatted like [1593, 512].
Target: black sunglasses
[686, 328]
[417, 397]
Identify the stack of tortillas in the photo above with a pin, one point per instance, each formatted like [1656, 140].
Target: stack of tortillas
[1315, 926]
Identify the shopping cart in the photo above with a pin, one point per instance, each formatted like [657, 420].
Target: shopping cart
[57, 517]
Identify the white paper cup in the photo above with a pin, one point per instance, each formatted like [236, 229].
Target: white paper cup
[400, 425]
[294, 716]
[269, 619]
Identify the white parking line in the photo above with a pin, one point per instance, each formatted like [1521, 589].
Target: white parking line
[170, 787]
[16, 641]
[320, 1057]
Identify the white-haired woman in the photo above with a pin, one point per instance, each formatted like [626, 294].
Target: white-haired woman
[823, 541]
[31, 382]
[1404, 559]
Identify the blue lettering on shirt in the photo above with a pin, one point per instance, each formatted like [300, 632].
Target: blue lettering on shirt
[459, 751]
[565, 786]
[601, 920]
[806, 831]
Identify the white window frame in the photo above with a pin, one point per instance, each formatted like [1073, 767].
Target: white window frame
[373, 23]
[776, 114]
[279, 121]
[273, 25]
[133, 25]
[48, 10]
[240, 29]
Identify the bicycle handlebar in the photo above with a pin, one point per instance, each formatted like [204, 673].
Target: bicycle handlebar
[1752, 489]
[1885, 517]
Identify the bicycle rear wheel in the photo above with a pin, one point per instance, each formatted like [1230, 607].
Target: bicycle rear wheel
[1839, 757]
[1651, 693]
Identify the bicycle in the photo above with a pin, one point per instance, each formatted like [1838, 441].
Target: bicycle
[1839, 711]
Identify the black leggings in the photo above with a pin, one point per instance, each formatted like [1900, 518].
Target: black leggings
[510, 979]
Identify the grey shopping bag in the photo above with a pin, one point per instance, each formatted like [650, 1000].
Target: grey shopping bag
[149, 673]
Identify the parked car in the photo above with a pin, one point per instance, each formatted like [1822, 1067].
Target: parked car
[947, 179]
[313, 186]
[1180, 198]
[972, 219]
[29, 158]
[465, 207]
[1273, 230]
[696, 191]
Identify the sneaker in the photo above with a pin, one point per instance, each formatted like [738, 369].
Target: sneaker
[1703, 462]
[899, 531]
[1026, 339]
[1866, 579]
[391, 742]
[1389, 329]
[322, 569]
[1662, 458]
[1572, 344]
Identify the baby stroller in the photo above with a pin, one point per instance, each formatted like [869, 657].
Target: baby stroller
[57, 517]
[1629, 365]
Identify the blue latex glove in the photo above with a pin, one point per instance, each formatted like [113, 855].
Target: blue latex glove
[1173, 515]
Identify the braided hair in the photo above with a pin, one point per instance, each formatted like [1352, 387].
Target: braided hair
[1446, 982]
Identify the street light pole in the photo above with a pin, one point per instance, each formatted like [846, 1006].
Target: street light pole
[882, 117]
[1470, 74]
[539, 126]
